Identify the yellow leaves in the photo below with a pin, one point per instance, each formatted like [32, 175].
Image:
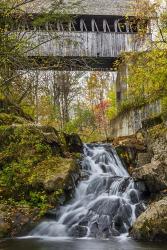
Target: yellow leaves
[148, 75]
[112, 109]
[145, 9]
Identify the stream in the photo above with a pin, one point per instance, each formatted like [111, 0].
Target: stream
[106, 203]
[78, 244]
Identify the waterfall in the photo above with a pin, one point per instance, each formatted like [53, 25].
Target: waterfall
[106, 203]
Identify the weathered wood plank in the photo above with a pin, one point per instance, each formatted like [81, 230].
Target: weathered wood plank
[79, 44]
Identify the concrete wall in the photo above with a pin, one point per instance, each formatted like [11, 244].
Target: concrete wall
[129, 123]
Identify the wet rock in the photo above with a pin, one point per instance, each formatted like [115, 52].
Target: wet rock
[114, 232]
[125, 212]
[94, 229]
[86, 219]
[133, 196]
[139, 209]
[105, 234]
[128, 148]
[143, 192]
[52, 213]
[152, 224]
[154, 175]
[96, 186]
[103, 223]
[119, 226]
[124, 184]
[106, 206]
[104, 168]
[74, 143]
[4, 226]
[86, 165]
[140, 186]
[78, 231]
[128, 155]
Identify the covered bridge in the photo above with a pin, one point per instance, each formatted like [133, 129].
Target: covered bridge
[99, 31]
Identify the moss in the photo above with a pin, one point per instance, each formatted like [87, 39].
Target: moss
[56, 168]
[32, 174]
[152, 224]
[152, 121]
[9, 119]
[12, 109]
[15, 216]
[131, 104]
[22, 148]
[158, 131]
[30, 171]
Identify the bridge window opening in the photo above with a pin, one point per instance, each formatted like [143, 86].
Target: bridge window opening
[94, 26]
[125, 26]
[133, 27]
[83, 26]
[106, 27]
[106, 24]
[121, 27]
[72, 26]
[60, 27]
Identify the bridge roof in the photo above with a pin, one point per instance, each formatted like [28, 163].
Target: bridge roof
[88, 7]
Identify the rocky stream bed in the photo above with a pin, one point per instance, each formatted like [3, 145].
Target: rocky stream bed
[39, 168]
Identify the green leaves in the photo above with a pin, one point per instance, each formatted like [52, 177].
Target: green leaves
[147, 80]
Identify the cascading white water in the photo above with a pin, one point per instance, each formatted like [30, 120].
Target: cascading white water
[106, 203]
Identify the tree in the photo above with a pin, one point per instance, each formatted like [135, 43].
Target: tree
[65, 89]
[147, 71]
[100, 111]
[16, 41]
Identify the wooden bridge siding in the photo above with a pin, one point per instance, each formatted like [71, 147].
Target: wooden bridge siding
[88, 44]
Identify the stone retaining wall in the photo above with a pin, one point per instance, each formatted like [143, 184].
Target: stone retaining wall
[130, 122]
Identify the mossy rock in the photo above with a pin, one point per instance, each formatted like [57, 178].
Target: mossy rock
[37, 171]
[15, 218]
[152, 224]
[151, 122]
[74, 143]
[9, 119]
[128, 155]
[157, 131]
[8, 107]
[54, 173]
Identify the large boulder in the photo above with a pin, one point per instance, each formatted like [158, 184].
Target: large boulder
[152, 224]
[129, 149]
[16, 219]
[74, 143]
[36, 170]
[53, 138]
[143, 158]
[153, 174]
[4, 226]
[16, 112]
[54, 175]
